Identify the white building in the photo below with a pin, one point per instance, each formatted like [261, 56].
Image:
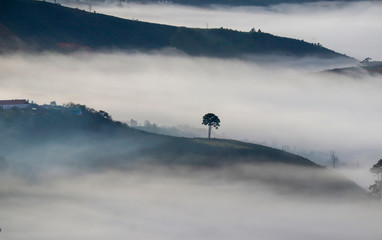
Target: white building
[17, 103]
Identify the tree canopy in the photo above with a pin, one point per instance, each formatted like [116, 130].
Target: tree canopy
[376, 188]
[377, 168]
[211, 120]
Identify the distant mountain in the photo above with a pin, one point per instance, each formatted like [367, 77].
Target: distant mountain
[38, 25]
[364, 68]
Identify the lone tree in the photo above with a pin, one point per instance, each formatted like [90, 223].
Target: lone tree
[376, 188]
[211, 120]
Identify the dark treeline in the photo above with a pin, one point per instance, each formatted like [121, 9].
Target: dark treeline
[39, 122]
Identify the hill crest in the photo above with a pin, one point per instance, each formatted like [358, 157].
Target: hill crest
[51, 123]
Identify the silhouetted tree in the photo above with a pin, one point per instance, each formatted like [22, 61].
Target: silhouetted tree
[211, 120]
[376, 188]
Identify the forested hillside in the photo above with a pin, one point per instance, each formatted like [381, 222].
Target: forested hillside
[35, 25]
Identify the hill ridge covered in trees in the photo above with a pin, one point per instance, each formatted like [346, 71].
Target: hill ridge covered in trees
[38, 26]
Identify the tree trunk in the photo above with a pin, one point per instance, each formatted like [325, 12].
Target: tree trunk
[209, 131]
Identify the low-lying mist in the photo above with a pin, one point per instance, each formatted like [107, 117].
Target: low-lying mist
[83, 184]
[270, 104]
[350, 28]
[179, 203]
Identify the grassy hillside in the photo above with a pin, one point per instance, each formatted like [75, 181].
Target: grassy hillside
[45, 26]
[124, 144]
[38, 139]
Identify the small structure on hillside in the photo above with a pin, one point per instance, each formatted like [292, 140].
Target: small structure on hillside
[52, 107]
[16, 103]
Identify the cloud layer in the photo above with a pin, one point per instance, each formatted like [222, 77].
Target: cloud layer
[174, 204]
[267, 104]
[275, 105]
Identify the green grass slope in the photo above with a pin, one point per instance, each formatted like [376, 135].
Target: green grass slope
[45, 26]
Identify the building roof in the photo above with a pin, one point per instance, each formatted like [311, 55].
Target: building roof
[13, 102]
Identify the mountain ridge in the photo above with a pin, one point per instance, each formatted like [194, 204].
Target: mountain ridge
[47, 26]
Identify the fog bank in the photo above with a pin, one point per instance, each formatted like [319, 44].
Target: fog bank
[271, 105]
[174, 204]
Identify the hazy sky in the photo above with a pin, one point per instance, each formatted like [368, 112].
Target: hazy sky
[354, 29]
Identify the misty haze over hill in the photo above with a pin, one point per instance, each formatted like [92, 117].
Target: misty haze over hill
[48, 184]
[73, 176]
[282, 106]
[173, 204]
